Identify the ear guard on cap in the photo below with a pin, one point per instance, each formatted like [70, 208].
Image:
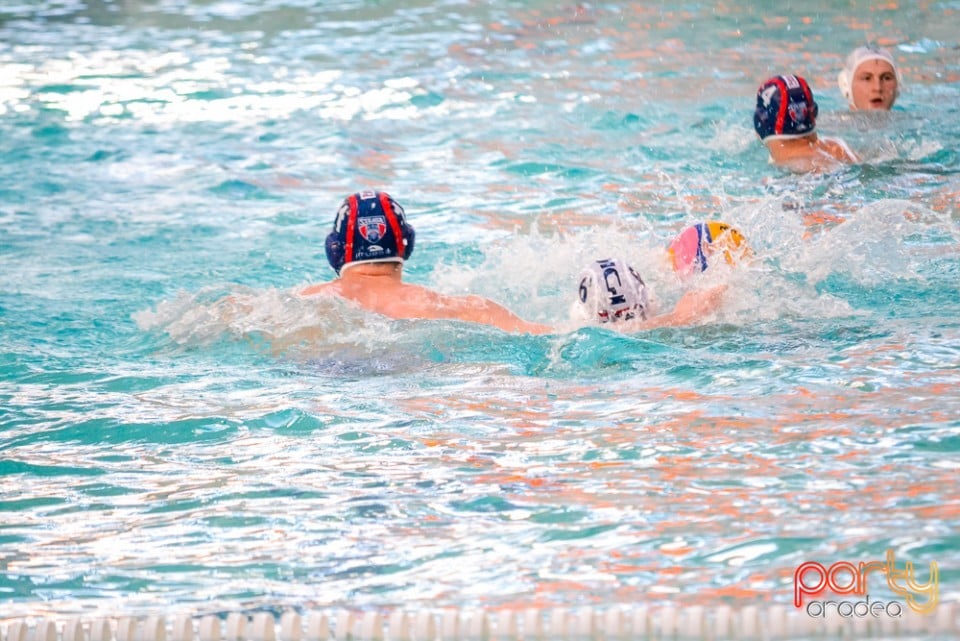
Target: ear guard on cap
[334, 251]
[409, 237]
[356, 235]
[843, 81]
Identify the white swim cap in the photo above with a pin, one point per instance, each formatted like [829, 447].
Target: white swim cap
[856, 58]
[611, 290]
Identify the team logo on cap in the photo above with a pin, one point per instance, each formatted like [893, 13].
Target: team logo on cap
[798, 112]
[372, 228]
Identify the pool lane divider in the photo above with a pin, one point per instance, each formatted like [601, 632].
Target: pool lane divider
[760, 623]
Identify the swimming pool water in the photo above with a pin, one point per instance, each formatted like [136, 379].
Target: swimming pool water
[164, 448]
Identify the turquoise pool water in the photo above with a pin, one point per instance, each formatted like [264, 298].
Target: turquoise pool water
[161, 449]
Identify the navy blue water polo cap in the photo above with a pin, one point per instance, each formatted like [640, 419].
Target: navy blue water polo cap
[785, 108]
[370, 227]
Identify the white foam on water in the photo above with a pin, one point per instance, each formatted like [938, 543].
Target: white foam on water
[277, 318]
[536, 275]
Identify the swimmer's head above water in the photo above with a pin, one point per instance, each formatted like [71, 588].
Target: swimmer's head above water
[785, 119]
[371, 232]
[610, 290]
[785, 109]
[370, 227]
[870, 79]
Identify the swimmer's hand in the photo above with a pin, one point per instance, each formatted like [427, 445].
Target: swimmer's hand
[691, 309]
[695, 305]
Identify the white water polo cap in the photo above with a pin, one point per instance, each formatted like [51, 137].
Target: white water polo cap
[856, 58]
[610, 290]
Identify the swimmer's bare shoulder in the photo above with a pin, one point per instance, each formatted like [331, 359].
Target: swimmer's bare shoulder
[331, 288]
[838, 149]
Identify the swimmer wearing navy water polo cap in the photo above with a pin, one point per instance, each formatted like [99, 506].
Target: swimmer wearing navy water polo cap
[610, 291]
[370, 227]
[785, 118]
[367, 247]
[870, 80]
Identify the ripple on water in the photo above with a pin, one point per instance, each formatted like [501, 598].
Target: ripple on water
[181, 430]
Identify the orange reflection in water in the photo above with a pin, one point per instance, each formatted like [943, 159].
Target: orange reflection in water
[698, 478]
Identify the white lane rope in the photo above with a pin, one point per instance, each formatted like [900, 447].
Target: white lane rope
[761, 623]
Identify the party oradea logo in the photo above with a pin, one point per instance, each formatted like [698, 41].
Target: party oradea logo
[813, 583]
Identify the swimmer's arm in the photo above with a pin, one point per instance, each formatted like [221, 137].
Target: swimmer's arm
[839, 149]
[476, 309]
[692, 307]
